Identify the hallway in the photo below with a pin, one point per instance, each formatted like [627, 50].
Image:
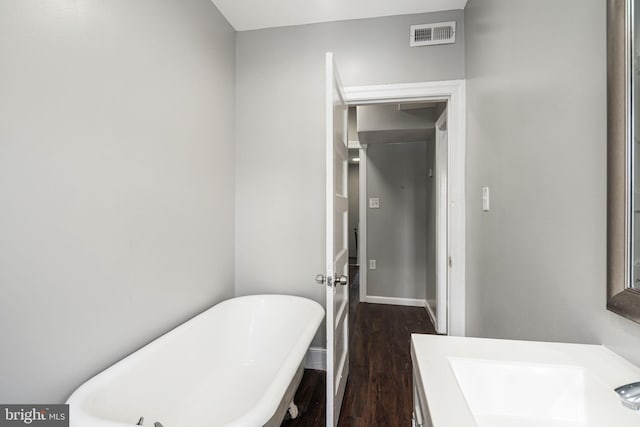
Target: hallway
[379, 388]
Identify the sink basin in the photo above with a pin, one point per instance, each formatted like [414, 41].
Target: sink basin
[484, 382]
[519, 394]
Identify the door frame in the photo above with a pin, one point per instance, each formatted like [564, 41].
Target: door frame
[441, 317]
[453, 92]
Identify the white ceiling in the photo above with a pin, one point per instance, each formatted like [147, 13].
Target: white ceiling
[254, 14]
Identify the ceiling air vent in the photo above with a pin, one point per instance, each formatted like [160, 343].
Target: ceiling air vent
[428, 34]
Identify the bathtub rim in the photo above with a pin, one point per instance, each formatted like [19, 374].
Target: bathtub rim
[265, 408]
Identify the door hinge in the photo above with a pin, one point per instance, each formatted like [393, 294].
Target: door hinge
[450, 262]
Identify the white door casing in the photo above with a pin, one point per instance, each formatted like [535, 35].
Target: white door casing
[337, 241]
[442, 226]
[452, 92]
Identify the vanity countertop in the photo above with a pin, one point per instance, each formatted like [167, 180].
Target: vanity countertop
[580, 380]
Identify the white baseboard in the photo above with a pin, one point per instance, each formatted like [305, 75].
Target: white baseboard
[430, 312]
[410, 302]
[316, 359]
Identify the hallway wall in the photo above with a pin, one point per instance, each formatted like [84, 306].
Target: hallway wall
[397, 231]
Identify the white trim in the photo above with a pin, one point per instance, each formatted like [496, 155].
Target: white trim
[354, 145]
[441, 323]
[362, 228]
[426, 91]
[432, 315]
[408, 302]
[452, 91]
[457, 209]
[316, 359]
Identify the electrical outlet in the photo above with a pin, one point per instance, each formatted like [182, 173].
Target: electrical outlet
[372, 264]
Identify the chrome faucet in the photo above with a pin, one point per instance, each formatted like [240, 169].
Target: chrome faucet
[630, 395]
[141, 421]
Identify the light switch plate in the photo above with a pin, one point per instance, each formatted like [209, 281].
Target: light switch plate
[374, 202]
[485, 199]
[372, 264]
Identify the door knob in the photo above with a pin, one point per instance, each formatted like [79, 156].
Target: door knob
[321, 279]
[342, 280]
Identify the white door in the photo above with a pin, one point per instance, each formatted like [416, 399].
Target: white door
[442, 226]
[337, 238]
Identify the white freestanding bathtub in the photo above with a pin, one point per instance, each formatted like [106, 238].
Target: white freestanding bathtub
[237, 364]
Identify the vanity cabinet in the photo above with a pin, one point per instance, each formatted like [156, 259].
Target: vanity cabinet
[420, 416]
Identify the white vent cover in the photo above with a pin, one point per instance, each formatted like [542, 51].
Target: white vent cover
[428, 34]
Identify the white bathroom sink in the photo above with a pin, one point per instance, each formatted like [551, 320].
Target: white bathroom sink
[480, 382]
[521, 394]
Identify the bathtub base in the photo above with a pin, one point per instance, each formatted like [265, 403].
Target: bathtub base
[293, 410]
[287, 399]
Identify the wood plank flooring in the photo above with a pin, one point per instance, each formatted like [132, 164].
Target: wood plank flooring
[379, 387]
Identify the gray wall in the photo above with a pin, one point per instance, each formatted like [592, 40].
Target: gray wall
[397, 231]
[280, 134]
[354, 206]
[536, 134]
[352, 123]
[377, 118]
[382, 124]
[116, 181]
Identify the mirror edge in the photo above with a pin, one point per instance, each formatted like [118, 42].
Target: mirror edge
[620, 299]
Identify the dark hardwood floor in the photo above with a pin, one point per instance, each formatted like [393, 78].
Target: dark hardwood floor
[379, 387]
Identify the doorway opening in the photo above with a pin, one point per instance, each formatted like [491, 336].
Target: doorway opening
[402, 150]
[410, 216]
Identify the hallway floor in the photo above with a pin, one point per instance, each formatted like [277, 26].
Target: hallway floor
[379, 387]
